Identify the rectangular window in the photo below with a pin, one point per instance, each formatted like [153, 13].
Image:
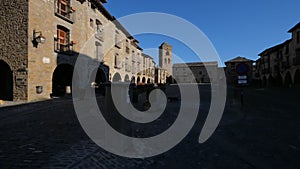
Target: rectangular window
[62, 7]
[117, 61]
[133, 57]
[99, 34]
[63, 39]
[133, 67]
[99, 56]
[64, 10]
[127, 66]
[298, 37]
[118, 41]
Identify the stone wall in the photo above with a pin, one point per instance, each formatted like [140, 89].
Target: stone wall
[13, 43]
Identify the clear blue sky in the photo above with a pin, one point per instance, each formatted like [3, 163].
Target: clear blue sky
[235, 27]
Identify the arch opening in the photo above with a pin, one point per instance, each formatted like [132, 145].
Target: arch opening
[6, 82]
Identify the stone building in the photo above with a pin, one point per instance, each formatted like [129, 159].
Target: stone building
[160, 75]
[280, 64]
[41, 40]
[165, 57]
[239, 71]
[197, 72]
[164, 68]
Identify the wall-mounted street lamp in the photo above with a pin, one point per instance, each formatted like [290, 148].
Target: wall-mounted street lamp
[38, 38]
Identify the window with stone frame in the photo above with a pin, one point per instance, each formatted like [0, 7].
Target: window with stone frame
[127, 65]
[118, 61]
[133, 67]
[64, 9]
[99, 55]
[118, 42]
[99, 32]
[63, 39]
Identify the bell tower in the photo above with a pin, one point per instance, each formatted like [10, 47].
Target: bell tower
[165, 57]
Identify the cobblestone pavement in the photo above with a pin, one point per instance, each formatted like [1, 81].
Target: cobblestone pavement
[264, 133]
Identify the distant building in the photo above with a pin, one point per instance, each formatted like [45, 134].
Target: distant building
[165, 57]
[280, 64]
[197, 72]
[164, 68]
[239, 71]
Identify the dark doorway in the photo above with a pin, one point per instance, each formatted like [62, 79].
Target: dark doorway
[62, 78]
[100, 80]
[6, 82]
[297, 78]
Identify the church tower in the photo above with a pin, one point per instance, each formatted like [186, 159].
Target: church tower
[165, 57]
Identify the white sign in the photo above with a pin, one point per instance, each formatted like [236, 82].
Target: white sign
[242, 81]
[242, 77]
[46, 60]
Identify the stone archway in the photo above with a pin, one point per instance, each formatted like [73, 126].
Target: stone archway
[144, 80]
[98, 79]
[126, 79]
[288, 79]
[132, 79]
[148, 81]
[117, 77]
[6, 82]
[98, 76]
[62, 79]
[138, 80]
[278, 80]
[297, 78]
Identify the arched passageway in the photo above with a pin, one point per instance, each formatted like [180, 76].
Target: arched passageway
[126, 79]
[278, 81]
[117, 78]
[98, 78]
[144, 80]
[6, 82]
[138, 81]
[132, 79]
[297, 78]
[62, 79]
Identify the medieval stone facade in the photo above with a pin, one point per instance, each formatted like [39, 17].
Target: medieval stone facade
[13, 49]
[280, 64]
[42, 39]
